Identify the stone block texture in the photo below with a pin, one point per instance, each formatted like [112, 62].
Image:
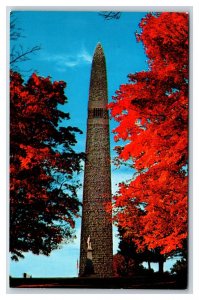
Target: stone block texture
[96, 222]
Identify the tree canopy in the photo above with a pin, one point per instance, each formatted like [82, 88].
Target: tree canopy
[152, 112]
[43, 166]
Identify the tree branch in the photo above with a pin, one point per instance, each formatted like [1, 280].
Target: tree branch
[23, 55]
[110, 15]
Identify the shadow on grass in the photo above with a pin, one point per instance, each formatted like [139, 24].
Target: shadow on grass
[155, 281]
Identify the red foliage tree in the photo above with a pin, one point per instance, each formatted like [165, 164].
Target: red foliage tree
[43, 164]
[152, 111]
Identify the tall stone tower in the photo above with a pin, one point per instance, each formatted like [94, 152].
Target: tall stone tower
[96, 251]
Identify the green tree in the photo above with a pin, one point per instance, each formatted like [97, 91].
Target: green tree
[130, 252]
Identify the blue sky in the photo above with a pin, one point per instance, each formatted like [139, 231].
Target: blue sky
[68, 41]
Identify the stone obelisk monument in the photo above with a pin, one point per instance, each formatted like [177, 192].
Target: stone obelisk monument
[96, 251]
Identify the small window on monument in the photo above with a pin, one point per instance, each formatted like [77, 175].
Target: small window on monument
[98, 112]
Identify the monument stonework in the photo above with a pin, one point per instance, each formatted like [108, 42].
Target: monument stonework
[96, 250]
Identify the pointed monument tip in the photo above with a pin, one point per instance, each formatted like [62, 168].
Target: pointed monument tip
[99, 45]
[99, 50]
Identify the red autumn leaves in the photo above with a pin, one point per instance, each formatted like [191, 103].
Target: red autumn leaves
[43, 166]
[152, 111]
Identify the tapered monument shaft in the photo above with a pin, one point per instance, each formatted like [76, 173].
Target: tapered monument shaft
[96, 253]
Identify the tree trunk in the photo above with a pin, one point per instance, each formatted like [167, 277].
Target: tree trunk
[149, 265]
[161, 267]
